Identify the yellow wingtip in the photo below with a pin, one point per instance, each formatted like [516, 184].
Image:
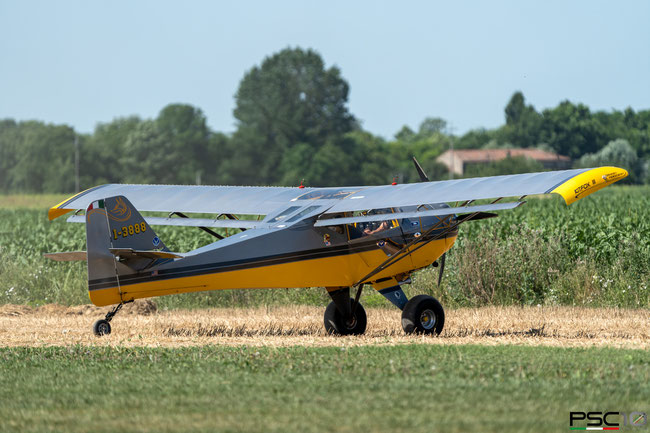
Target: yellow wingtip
[57, 211]
[590, 181]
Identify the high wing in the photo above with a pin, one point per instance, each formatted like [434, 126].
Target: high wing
[572, 185]
[187, 198]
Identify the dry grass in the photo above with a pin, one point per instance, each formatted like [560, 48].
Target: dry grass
[141, 325]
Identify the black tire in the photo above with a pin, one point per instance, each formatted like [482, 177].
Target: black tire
[423, 314]
[335, 323]
[102, 327]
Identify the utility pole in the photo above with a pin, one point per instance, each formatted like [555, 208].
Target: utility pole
[451, 151]
[76, 163]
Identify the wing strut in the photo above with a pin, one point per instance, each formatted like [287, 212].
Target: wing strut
[205, 229]
[400, 254]
[232, 217]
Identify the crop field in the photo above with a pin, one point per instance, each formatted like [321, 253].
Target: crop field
[547, 312]
[595, 252]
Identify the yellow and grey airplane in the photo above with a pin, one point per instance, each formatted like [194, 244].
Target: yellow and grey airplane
[337, 238]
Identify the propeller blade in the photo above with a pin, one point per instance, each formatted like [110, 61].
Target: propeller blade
[421, 173]
[442, 268]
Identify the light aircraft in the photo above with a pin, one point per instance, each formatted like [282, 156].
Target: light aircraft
[337, 238]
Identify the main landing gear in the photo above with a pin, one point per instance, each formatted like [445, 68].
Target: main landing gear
[103, 326]
[422, 314]
[344, 315]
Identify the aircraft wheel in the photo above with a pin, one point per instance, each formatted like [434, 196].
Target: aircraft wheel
[102, 327]
[337, 325]
[423, 314]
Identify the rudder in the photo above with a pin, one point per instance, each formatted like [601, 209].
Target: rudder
[113, 224]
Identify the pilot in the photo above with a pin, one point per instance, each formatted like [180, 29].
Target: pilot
[383, 225]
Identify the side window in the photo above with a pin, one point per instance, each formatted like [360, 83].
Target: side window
[282, 215]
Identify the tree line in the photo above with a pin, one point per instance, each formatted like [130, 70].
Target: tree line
[293, 124]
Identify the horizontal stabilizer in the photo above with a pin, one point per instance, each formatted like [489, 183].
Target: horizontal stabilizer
[68, 256]
[417, 214]
[130, 253]
[190, 222]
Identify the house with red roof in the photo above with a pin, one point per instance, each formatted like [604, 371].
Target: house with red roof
[458, 160]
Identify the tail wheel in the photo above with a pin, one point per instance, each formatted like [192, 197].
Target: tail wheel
[336, 324]
[423, 314]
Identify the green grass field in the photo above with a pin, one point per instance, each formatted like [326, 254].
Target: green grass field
[414, 388]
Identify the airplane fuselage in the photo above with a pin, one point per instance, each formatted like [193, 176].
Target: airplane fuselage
[297, 256]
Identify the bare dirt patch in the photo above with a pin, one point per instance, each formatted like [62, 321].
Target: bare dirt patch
[140, 324]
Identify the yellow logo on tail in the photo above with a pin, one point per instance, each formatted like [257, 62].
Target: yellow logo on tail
[121, 212]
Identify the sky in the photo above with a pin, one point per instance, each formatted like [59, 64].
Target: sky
[85, 62]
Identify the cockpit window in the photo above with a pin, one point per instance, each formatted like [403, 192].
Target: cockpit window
[327, 194]
[302, 213]
[282, 215]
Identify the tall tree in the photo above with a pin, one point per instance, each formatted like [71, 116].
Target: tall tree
[523, 123]
[290, 98]
[102, 151]
[618, 153]
[571, 130]
[185, 127]
[43, 159]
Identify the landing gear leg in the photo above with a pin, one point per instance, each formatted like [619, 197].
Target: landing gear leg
[103, 326]
[344, 315]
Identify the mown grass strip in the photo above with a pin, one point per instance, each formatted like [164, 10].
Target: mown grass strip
[404, 388]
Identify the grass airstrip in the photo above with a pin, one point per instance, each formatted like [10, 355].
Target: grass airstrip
[505, 369]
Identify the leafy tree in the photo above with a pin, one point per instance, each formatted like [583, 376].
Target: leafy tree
[186, 129]
[432, 125]
[405, 134]
[617, 153]
[523, 123]
[474, 139]
[40, 157]
[373, 160]
[148, 156]
[571, 130]
[9, 138]
[101, 153]
[291, 98]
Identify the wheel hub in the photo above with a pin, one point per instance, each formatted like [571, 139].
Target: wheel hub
[350, 324]
[428, 319]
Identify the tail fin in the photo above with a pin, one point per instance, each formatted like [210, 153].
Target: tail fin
[119, 242]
